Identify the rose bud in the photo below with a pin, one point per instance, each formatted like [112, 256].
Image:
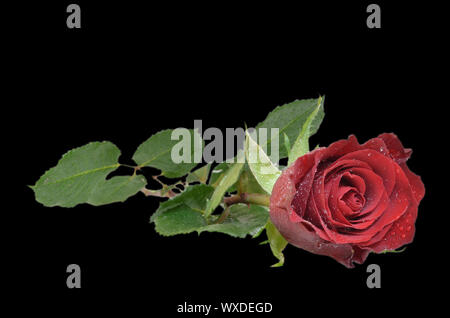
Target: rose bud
[348, 200]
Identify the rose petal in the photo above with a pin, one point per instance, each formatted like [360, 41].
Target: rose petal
[400, 200]
[360, 254]
[332, 198]
[395, 147]
[374, 189]
[364, 231]
[380, 164]
[340, 148]
[340, 165]
[400, 233]
[376, 144]
[352, 198]
[403, 230]
[300, 236]
[377, 237]
[417, 187]
[283, 191]
[368, 219]
[355, 181]
[302, 173]
[401, 155]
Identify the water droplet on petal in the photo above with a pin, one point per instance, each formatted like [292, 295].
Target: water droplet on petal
[403, 235]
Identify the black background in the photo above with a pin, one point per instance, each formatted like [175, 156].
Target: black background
[134, 69]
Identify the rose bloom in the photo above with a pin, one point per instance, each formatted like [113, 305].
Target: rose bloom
[348, 200]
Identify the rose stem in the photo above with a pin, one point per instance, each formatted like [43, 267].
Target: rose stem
[248, 198]
[223, 216]
[157, 193]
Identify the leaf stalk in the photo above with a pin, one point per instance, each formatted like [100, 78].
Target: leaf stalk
[248, 198]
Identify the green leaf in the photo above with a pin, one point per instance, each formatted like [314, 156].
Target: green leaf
[117, 189]
[301, 145]
[230, 177]
[179, 220]
[199, 175]
[156, 152]
[258, 232]
[247, 182]
[217, 174]
[80, 177]
[287, 143]
[277, 243]
[242, 221]
[194, 197]
[264, 171]
[289, 118]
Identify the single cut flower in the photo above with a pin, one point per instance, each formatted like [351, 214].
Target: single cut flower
[348, 200]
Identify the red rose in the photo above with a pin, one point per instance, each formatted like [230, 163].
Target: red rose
[348, 200]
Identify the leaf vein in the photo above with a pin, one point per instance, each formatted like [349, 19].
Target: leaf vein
[83, 173]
